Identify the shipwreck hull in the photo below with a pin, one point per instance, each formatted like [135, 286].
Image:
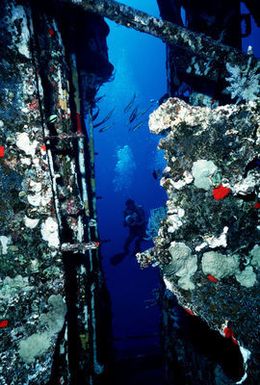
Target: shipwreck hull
[50, 274]
[208, 245]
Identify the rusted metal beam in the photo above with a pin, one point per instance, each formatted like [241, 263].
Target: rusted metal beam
[210, 53]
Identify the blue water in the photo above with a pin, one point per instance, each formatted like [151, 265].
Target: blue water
[139, 62]
[253, 38]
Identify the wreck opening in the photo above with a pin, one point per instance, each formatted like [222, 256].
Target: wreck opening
[123, 143]
[217, 353]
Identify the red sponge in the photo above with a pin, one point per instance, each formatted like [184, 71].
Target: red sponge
[221, 192]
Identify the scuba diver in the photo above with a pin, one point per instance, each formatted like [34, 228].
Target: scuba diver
[134, 219]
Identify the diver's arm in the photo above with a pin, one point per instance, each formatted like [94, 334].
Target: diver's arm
[124, 221]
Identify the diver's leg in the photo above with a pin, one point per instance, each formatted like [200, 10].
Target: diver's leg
[117, 258]
[138, 242]
[128, 241]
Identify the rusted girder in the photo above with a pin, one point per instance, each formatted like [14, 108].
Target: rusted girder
[210, 54]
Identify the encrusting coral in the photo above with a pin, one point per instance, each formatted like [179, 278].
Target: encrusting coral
[208, 245]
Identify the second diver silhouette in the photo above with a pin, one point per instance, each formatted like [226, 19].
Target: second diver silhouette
[134, 219]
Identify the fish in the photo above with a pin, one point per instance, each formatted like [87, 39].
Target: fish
[155, 174]
[133, 115]
[129, 105]
[144, 111]
[138, 125]
[105, 128]
[99, 98]
[106, 118]
[95, 115]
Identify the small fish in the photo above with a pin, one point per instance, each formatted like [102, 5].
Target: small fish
[138, 125]
[105, 128]
[133, 115]
[52, 119]
[106, 118]
[129, 105]
[99, 98]
[92, 222]
[155, 174]
[95, 115]
[144, 111]
[154, 101]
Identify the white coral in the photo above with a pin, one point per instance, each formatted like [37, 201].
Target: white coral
[247, 277]
[49, 231]
[202, 170]
[183, 264]
[219, 265]
[243, 84]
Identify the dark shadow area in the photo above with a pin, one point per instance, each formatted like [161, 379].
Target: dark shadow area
[190, 341]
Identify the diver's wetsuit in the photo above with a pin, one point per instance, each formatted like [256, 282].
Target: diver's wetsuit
[137, 229]
[134, 219]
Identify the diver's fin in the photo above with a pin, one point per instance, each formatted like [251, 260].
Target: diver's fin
[117, 258]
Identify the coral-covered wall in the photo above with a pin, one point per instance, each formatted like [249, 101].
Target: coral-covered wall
[31, 286]
[51, 285]
[208, 245]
